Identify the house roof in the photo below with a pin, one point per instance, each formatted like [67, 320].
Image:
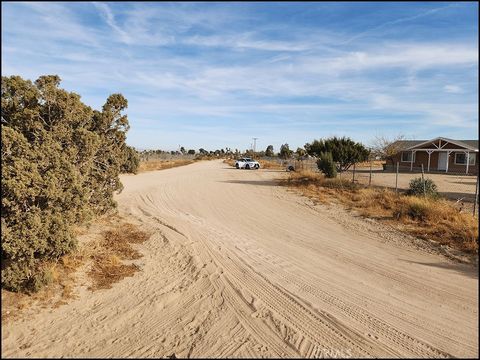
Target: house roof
[412, 144]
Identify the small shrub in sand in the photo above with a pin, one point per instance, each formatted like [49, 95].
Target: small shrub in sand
[422, 187]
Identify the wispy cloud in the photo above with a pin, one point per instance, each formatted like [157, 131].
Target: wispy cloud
[401, 20]
[221, 66]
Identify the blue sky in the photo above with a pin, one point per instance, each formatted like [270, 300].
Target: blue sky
[218, 74]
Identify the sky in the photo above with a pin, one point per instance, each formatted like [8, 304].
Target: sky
[216, 75]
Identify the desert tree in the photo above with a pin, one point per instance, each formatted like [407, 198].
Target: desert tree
[285, 151]
[300, 151]
[269, 151]
[345, 152]
[386, 148]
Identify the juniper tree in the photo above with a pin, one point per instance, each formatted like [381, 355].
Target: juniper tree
[60, 166]
[345, 152]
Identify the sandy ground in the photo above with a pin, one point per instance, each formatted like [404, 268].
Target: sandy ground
[240, 268]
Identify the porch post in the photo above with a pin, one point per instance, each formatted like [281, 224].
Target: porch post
[428, 166]
[468, 158]
[448, 160]
[411, 162]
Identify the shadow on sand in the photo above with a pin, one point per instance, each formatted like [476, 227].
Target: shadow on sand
[464, 269]
[253, 182]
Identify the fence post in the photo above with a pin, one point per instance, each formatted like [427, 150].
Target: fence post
[423, 182]
[396, 179]
[476, 197]
[370, 178]
[353, 178]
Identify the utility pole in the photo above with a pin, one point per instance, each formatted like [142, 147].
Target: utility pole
[254, 145]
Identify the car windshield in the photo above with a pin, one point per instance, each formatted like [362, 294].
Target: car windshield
[248, 159]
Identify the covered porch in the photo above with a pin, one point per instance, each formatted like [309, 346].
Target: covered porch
[438, 156]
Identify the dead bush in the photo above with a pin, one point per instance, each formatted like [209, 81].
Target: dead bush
[116, 245]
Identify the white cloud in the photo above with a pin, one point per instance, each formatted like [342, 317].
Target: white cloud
[454, 89]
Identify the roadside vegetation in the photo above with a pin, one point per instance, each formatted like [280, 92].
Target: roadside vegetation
[61, 162]
[426, 217]
[104, 258]
[341, 153]
[152, 165]
[115, 247]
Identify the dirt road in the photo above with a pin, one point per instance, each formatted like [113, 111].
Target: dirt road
[240, 268]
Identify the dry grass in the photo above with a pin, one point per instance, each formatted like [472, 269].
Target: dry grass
[152, 165]
[105, 253]
[58, 291]
[115, 246]
[366, 164]
[427, 218]
[266, 164]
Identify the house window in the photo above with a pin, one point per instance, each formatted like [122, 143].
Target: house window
[407, 156]
[461, 159]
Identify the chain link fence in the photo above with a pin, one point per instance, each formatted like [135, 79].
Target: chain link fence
[298, 164]
[457, 186]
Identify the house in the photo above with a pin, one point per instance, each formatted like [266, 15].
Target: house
[437, 155]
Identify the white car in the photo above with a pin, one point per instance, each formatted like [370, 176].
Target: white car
[247, 163]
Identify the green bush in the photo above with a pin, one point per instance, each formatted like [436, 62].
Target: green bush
[132, 160]
[345, 152]
[60, 166]
[417, 187]
[326, 165]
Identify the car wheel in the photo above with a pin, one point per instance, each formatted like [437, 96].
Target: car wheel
[256, 167]
[247, 167]
[237, 166]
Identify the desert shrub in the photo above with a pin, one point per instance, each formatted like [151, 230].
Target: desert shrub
[416, 187]
[422, 209]
[326, 165]
[342, 184]
[132, 160]
[60, 166]
[418, 210]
